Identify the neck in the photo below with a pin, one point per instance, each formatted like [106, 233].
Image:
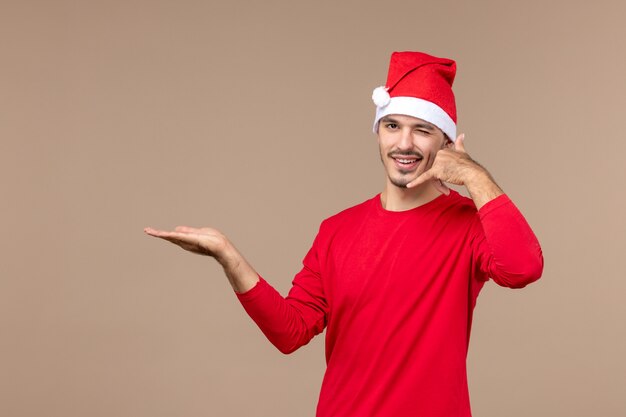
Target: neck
[394, 198]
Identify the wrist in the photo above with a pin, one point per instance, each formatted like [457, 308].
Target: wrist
[482, 187]
[241, 276]
[476, 176]
[228, 256]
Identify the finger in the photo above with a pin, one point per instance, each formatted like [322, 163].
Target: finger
[157, 233]
[170, 235]
[201, 230]
[153, 232]
[186, 229]
[184, 240]
[422, 178]
[188, 246]
[459, 144]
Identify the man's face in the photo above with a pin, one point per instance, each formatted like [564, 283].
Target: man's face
[407, 147]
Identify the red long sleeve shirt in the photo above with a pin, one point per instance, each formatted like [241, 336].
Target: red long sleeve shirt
[395, 292]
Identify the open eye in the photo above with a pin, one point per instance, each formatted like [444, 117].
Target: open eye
[391, 125]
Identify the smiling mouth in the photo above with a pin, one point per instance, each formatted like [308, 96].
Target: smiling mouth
[406, 161]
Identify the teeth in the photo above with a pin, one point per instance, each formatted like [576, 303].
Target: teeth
[406, 161]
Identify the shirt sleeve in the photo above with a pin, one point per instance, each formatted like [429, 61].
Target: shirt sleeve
[507, 250]
[290, 322]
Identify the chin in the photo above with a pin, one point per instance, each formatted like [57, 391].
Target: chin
[400, 183]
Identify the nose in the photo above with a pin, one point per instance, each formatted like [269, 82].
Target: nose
[405, 141]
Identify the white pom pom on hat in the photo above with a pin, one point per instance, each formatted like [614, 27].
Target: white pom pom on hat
[419, 85]
[380, 96]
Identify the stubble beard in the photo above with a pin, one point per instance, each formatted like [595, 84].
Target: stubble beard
[400, 183]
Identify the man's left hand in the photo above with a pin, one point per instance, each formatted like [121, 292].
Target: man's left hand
[454, 166]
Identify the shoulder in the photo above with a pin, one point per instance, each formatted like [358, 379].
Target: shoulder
[455, 210]
[350, 215]
[458, 203]
[453, 204]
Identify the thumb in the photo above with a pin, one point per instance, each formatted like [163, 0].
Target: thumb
[459, 144]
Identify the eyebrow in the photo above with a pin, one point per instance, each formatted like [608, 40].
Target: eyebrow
[422, 125]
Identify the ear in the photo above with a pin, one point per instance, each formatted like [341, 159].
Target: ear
[447, 144]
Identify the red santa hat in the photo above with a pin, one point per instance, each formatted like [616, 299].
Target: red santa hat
[419, 85]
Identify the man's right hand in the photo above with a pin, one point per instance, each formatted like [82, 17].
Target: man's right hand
[211, 242]
[203, 241]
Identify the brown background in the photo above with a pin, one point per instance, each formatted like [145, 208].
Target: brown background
[254, 117]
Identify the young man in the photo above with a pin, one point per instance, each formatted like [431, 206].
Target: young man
[394, 280]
